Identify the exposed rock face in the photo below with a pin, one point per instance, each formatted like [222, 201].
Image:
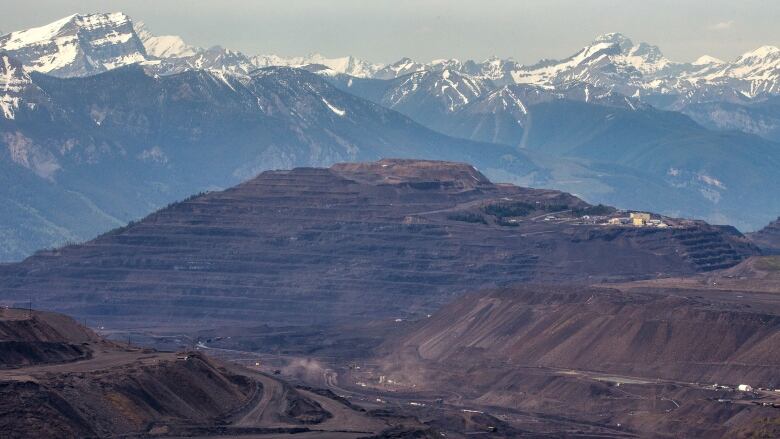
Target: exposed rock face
[60, 379]
[78, 45]
[368, 241]
[121, 390]
[28, 338]
[637, 334]
[768, 238]
[643, 355]
[121, 400]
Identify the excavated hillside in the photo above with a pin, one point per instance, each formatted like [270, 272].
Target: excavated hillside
[662, 358]
[120, 391]
[31, 337]
[121, 400]
[357, 241]
[638, 334]
[768, 238]
[60, 379]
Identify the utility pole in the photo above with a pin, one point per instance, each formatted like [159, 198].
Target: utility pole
[29, 310]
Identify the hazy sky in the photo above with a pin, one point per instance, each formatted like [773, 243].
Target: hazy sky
[383, 31]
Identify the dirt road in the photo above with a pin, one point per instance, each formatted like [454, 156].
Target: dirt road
[103, 357]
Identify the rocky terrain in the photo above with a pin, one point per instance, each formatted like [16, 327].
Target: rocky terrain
[121, 390]
[388, 239]
[325, 295]
[768, 238]
[654, 358]
[28, 338]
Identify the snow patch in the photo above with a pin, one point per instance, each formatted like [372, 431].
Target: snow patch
[336, 110]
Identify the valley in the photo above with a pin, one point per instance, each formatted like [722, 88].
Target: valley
[666, 357]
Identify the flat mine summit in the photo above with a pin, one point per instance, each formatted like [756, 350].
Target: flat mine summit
[384, 239]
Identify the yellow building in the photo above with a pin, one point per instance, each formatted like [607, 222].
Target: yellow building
[639, 218]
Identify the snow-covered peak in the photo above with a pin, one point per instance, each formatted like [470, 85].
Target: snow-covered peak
[755, 73]
[451, 88]
[163, 46]
[402, 67]
[77, 45]
[611, 61]
[765, 51]
[14, 81]
[451, 63]
[36, 35]
[761, 54]
[348, 65]
[614, 38]
[706, 60]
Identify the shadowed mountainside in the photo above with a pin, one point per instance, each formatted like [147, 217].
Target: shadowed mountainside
[768, 238]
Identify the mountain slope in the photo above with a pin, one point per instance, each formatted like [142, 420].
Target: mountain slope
[353, 242]
[612, 147]
[768, 238]
[563, 131]
[78, 45]
[641, 356]
[83, 155]
[85, 44]
[113, 389]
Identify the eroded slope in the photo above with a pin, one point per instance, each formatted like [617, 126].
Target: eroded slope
[387, 239]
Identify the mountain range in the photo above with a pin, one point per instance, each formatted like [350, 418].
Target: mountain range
[81, 45]
[102, 122]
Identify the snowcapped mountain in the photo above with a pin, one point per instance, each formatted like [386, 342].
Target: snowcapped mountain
[347, 65]
[78, 45]
[13, 82]
[448, 89]
[163, 46]
[755, 73]
[19, 96]
[190, 118]
[611, 61]
[81, 45]
[402, 67]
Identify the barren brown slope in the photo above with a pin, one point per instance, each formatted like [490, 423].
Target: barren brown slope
[642, 356]
[32, 337]
[642, 334]
[365, 241]
[122, 391]
[59, 379]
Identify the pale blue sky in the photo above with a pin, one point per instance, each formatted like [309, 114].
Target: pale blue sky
[384, 30]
